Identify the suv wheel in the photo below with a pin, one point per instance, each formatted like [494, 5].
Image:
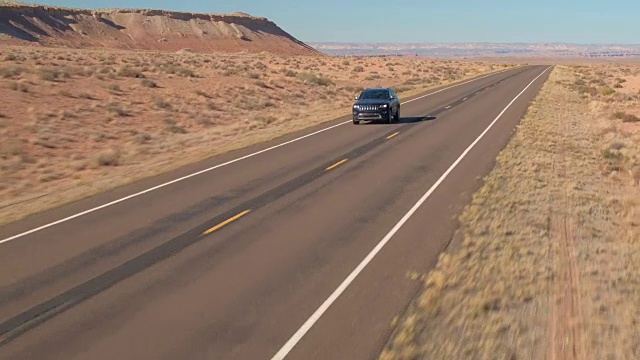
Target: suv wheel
[390, 117]
[398, 114]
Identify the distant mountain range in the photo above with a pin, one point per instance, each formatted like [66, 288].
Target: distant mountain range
[463, 50]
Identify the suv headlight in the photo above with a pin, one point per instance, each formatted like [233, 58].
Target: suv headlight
[383, 106]
[356, 107]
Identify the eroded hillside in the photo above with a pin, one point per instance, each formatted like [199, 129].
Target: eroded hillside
[144, 30]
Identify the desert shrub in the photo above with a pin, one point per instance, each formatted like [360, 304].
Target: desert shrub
[12, 72]
[141, 138]
[205, 121]
[180, 71]
[129, 72]
[176, 129]
[149, 83]
[630, 118]
[48, 74]
[290, 73]
[108, 157]
[106, 70]
[268, 120]
[11, 147]
[213, 106]
[619, 114]
[358, 69]
[606, 91]
[65, 115]
[161, 103]
[614, 160]
[587, 90]
[173, 127]
[203, 94]
[314, 79]
[18, 86]
[88, 71]
[230, 72]
[616, 146]
[117, 109]
[253, 104]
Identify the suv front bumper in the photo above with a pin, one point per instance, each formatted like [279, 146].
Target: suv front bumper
[368, 116]
[381, 114]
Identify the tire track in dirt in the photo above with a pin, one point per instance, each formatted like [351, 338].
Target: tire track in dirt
[566, 333]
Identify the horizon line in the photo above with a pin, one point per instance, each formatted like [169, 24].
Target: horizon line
[469, 42]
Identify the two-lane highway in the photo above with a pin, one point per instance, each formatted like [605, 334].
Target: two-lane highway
[297, 248]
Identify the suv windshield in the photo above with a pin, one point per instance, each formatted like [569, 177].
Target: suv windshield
[374, 94]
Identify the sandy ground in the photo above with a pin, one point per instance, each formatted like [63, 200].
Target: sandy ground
[77, 122]
[548, 266]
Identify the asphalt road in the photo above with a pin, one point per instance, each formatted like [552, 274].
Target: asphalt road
[302, 250]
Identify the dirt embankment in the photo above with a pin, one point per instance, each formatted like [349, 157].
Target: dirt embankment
[136, 29]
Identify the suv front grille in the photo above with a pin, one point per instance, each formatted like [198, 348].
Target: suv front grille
[369, 107]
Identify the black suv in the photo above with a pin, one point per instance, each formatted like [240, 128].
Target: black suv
[376, 104]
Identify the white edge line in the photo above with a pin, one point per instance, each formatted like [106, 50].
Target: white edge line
[293, 341]
[14, 237]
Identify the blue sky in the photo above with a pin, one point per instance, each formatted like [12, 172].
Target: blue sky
[587, 21]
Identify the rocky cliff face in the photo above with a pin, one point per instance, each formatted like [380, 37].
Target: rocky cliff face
[145, 30]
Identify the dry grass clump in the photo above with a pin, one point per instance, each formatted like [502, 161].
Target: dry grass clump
[63, 103]
[18, 86]
[625, 117]
[149, 83]
[127, 71]
[12, 72]
[117, 109]
[109, 157]
[179, 70]
[53, 74]
[310, 78]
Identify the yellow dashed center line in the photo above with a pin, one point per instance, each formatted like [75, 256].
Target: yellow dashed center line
[226, 222]
[392, 135]
[448, 107]
[336, 164]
